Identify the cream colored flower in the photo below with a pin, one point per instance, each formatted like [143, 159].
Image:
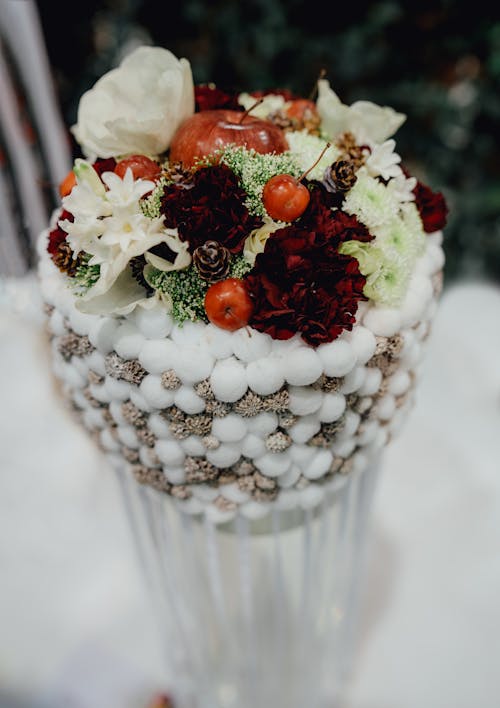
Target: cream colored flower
[256, 241]
[137, 107]
[367, 121]
[270, 103]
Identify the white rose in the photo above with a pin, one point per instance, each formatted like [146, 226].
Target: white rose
[137, 107]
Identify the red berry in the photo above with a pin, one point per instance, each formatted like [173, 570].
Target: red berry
[285, 198]
[228, 304]
[142, 167]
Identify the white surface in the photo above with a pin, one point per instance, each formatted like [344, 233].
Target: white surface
[76, 629]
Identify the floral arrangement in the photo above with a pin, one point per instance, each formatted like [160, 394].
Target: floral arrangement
[260, 209]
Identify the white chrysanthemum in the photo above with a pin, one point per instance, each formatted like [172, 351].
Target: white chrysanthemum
[402, 187]
[307, 148]
[383, 161]
[370, 201]
[413, 222]
[270, 103]
[398, 238]
[387, 274]
[388, 284]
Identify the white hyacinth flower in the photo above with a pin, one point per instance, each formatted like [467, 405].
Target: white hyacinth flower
[383, 161]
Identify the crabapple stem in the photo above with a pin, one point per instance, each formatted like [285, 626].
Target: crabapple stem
[248, 110]
[315, 163]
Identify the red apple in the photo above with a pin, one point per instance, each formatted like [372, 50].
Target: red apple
[228, 304]
[285, 198]
[142, 167]
[205, 132]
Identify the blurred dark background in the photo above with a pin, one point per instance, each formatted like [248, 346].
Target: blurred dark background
[439, 63]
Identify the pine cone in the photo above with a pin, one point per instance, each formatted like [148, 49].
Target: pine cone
[65, 259]
[178, 175]
[350, 149]
[340, 176]
[212, 261]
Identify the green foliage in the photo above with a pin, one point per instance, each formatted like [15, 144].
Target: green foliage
[185, 289]
[86, 275]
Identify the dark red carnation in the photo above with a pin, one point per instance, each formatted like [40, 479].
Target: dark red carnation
[208, 97]
[432, 207]
[212, 208]
[104, 165]
[58, 235]
[301, 283]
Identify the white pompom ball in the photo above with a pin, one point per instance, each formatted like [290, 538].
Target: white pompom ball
[319, 465]
[363, 341]
[386, 407]
[371, 384]
[100, 393]
[97, 363]
[188, 401]
[253, 446]
[170, 452]
[175, 474]
[344, 448]
[159, 426]
[231, 428]
[302, 366]
[108, 442]
[80, 322]
[191, 506]
[217, 341]
[187, 334]
[304, 400]
[350, 426]
[399, 383]
[332, 407]
[304, 429]
[193, 445]
[72, 376]
[102, 334]
[273, 464]
[353, 380]
[337, 357]
[301, 454]
[115, 408]
[118, 390]
[154, 323]
[368, 432]
[218, 516]
[265, 376]
[290, 477]
[56, 323]
[249, 344]
[311, 496]
[205, 493]
[128, 436]
[283, 347]
[228, 380]
[92, 418]
[148, 457]
[80, 365]
[384, 321]
[193, 363]
[158, 356]
[128, 341]
[233, 493]
[263, 423]
[139, 401]
[154, 393]
[225, 455]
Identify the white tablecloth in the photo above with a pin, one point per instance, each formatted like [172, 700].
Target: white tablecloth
[76, 630]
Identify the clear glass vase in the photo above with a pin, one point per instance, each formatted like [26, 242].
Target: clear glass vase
[256, 613]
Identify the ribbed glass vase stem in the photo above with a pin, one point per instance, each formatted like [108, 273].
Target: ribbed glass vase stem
[256, 613]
